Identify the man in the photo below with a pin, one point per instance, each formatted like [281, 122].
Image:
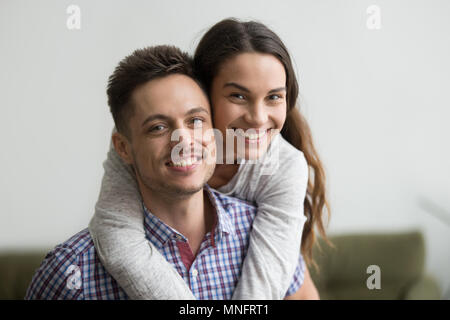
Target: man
[202, 234]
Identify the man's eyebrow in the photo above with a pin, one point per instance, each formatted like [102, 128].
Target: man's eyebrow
[238, 86]
[159, 116]
[154, 117]
[196, 110]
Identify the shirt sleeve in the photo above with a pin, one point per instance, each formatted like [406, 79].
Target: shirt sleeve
[58, 277]
[299, 277]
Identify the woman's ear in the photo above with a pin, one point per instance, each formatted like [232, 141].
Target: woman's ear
[123, 147]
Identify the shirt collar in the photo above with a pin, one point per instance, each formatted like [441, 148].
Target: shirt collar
[225, 223]
[159, 233]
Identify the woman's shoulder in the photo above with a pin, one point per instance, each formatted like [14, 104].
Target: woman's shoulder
[285, 155]
[283, 168]
[282, 165]
[288, 148]
[283, 176]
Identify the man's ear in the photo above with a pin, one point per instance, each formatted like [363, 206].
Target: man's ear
[123, 147]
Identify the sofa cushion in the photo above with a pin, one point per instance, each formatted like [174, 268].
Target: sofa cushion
[16, 271]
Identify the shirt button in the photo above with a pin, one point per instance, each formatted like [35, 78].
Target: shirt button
[195, 272]
[179, 237]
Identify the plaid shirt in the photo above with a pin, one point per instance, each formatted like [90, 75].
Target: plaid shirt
[73, 270]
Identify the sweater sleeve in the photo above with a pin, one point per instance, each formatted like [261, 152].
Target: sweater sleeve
[117, 229]
[275, 239]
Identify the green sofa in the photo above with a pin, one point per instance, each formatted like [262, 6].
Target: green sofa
[343, 269]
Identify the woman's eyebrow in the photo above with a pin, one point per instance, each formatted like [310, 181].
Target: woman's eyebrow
[278, 89]
[238, 86]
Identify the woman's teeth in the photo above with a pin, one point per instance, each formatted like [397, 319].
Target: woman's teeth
[252, 136]
[255, 136]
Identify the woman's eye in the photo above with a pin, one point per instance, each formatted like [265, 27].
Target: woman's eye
[275, 97]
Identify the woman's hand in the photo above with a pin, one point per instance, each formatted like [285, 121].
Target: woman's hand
[307, 291]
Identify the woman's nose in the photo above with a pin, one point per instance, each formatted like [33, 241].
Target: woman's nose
[257, 115]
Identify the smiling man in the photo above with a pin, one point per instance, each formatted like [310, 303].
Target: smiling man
[202, 234]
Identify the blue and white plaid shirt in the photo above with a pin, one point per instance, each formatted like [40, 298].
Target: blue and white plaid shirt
[73, 270]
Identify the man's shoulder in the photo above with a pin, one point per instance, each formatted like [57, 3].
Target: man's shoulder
[72, 249]
[50, 280]
[78, 245]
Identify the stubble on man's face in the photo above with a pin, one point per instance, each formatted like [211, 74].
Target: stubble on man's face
[168, 190]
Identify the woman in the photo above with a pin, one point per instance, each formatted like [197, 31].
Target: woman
[248, 74]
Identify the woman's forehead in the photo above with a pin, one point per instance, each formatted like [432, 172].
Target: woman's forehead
[253, 70]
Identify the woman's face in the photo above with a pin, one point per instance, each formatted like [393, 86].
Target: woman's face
[249, 92]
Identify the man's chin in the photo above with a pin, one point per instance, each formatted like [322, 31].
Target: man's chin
[183, 190]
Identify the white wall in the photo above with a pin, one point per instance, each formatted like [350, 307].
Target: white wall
[377, 102]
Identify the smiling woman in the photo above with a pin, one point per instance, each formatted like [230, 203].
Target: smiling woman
[233, 40]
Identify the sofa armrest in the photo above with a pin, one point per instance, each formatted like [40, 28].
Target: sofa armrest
[425, 288]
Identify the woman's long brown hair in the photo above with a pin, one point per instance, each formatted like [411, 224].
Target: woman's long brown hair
[230, 37]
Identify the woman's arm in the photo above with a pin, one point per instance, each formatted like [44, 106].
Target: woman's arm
[117, 230]
[275, 238]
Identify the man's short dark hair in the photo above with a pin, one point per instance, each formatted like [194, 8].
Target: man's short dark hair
[138, 68]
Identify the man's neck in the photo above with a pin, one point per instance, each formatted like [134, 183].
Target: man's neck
[192, 216]
[223, 173]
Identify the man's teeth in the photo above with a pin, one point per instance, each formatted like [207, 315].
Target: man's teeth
[183, 163]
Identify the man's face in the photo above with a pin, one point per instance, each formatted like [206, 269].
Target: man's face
[173, 104]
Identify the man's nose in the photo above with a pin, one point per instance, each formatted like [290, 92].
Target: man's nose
[182, 137]
[257, 115]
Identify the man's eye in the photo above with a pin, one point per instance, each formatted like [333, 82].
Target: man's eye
[157, 128]
[237, 96]
[197, 121]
